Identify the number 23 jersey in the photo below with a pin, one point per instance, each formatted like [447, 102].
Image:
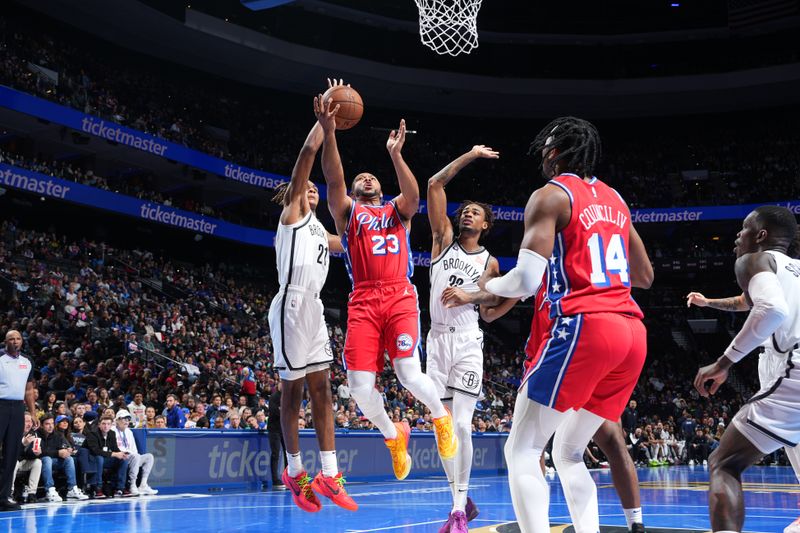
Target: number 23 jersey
[588, 271]
[376, 244]
[455, 267]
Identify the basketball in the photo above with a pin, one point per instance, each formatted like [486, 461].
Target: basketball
[351, 106]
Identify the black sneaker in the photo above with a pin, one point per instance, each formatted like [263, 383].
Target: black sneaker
[31, 498]
[637, 527]
[8, 505]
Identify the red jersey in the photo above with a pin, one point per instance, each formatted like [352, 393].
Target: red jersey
[589, 271]
[376, 244]
[540, 326]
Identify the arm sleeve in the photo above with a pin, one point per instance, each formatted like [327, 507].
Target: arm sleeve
[768, 313]
[523, 280]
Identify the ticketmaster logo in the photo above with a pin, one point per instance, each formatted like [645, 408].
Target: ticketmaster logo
[511, 215]
[252, 178]
[673, 216]
[172, 218]
[118, 134]
[34, 185]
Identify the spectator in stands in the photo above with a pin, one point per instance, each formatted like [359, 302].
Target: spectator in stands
[150, 417]
[137, 410]
[29, 461]
[161, 422]
[697, 448]
[630, 417]
[174, 414]
[127, 444]
[102, 445]
[639, 446]
[57, 455]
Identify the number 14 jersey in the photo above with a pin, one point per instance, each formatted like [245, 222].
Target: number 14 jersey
[588, 269]
[455, 267]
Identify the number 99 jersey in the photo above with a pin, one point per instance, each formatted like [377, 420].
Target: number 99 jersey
[376, 244]
[588, 269]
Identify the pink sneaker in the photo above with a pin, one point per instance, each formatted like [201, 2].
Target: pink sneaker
[446, 526]
[471, 510]
[459, 524]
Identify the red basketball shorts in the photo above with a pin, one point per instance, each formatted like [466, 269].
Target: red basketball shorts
[588, 361]
[382, 316]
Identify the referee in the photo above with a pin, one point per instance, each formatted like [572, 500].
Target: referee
[16, 385]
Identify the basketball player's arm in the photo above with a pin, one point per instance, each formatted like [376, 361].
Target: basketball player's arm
[492, 306]
[335, 244]
[734, 303]
[407, 201]
[542, 214]
[755, 274]
[641, 268]
[441, 227]
[294, 200]
[339, 204]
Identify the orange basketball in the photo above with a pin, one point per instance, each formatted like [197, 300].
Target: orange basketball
[351, 106]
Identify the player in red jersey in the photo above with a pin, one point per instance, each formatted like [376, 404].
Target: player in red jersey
[383, 311]
[577, 229]
[609, 438]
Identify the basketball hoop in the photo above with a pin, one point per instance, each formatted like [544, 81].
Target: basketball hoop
[449, 26]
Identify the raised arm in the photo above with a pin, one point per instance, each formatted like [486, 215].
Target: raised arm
[756, 275]
[295, 201]
[548, 209]
[641, 268]
[441, 227]
[407, 201]
[339, 203]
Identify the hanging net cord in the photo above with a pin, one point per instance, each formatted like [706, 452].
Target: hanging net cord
[449, 26]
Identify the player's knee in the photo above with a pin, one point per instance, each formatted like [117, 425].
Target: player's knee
[361, 392]
[565, 455]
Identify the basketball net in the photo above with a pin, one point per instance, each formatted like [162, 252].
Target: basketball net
[449, 26]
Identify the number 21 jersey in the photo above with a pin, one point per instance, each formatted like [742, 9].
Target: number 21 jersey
[301, 251]
[588, 270]
[376, 244]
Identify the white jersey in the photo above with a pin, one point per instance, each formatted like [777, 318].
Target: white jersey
[302, 254]
[456, 267]
[787, 336]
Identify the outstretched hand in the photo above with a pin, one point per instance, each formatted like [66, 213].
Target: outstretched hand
[396, 139]
[325, 115]
[336, 83]
[697, 299]
[480, 150]
[715, 373]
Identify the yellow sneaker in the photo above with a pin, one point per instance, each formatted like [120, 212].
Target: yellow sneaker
[445, 435]
[398, 447]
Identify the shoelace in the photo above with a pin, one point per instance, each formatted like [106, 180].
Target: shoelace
[305, 485]
[340, 481]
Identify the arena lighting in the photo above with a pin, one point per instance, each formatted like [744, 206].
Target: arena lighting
[675, 4]
[260, 5]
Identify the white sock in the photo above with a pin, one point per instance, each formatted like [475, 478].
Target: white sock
[460, 498]
[633, 516]
[294, 464]
[329, 466]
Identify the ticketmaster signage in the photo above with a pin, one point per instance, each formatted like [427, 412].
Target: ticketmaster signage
[31, 105]
[214, 458]
[48, 186]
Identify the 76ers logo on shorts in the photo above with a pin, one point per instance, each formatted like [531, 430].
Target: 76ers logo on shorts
[405, 342]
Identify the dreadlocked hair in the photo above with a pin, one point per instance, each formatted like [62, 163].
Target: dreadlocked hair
[488, 214]
[280, 193]
[781, 226]
[576, 141]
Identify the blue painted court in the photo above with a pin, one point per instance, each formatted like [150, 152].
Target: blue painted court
[672, 498]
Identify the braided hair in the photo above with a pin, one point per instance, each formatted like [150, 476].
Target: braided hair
[577, 143]
[280, 193]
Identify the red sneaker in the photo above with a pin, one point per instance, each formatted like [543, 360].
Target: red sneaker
[333, 488]
[303, 496]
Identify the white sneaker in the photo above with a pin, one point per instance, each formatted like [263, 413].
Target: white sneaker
[794, 527]
[705, 463]
[76, 494]
[134, 490]
[147, 490]
[53, 496]
[691, 462]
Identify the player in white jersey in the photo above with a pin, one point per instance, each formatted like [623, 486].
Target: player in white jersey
[455, 342]
[770, 280]
[300, 340]
[770, 364]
